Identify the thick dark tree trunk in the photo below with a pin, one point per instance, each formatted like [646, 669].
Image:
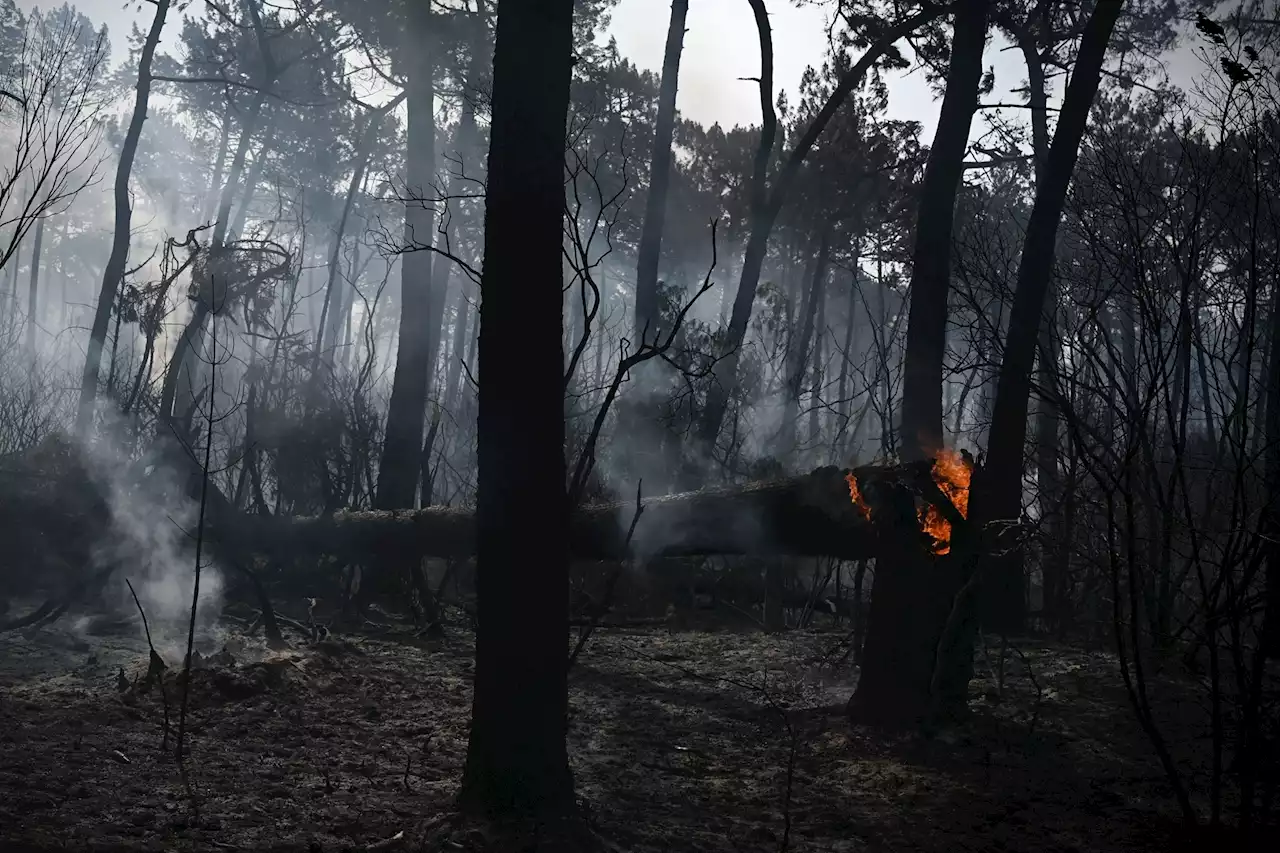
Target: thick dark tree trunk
[998, 493]
[117, 262]
[920, 433]
[918, 656]
[517, 762]
[402, 447]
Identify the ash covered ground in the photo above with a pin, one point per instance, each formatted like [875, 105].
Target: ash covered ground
[680, 741]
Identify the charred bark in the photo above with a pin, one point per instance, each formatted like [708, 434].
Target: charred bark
[114, 272]
[1000, 494]
[650, 251]
[406, 413]
[517, 760]
[805, 516]
[921, 430]
[917, 660]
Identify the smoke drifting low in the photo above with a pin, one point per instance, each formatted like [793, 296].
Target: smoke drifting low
[151, 541]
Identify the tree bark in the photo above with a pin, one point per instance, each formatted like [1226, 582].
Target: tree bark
[1048, 447]
[402, 446]
[998, 492]
[920, 433]
[117, 262]
[639, 410]
[650, 250]
[517, 762]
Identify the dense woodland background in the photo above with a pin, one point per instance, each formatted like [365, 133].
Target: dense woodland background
[255, 321]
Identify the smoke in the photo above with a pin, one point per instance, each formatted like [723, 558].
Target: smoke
[151, 540]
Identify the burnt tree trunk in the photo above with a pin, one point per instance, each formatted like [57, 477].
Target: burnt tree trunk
[114, 272]
[917, 659]
[1000, 496]
[517, 761]
[806, 516]
[637, 409]
[402, 446]
[650, 251]
[921, 431]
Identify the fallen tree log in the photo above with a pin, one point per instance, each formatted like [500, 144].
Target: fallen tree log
[809, 515]
[806, 515]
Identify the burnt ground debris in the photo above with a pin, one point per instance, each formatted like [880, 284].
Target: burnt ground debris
[681, 741]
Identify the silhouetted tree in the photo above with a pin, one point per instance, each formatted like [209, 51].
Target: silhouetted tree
[516, 758]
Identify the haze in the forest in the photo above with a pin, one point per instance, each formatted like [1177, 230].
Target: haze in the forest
[954, 320]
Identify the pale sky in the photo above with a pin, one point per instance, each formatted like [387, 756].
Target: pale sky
[721, 46]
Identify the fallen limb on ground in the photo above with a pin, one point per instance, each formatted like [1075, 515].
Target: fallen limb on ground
[810, 515]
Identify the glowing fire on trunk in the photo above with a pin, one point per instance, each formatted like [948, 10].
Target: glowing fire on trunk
[952, 472]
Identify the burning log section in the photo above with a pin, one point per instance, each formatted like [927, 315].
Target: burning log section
[823, 513]
[911, 517]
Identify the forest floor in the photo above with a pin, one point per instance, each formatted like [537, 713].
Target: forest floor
[716, 741]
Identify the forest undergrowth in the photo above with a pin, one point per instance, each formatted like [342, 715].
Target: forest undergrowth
[689, 741]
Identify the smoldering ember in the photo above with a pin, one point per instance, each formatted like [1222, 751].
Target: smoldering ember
[622, 425]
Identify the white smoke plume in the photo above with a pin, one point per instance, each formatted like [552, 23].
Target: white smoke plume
[151, 538]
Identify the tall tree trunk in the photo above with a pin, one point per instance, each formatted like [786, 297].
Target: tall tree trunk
[442, 266]
[655, 211]
[401, 449]
[178, 391]
[1047, 417]
[909, 669]
[998, 494]
[920, 433]
[33, 289]
[517, 760]
[765, 204]
[114, 272]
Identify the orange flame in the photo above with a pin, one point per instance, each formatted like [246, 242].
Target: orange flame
[856, 496]
[952, 472]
